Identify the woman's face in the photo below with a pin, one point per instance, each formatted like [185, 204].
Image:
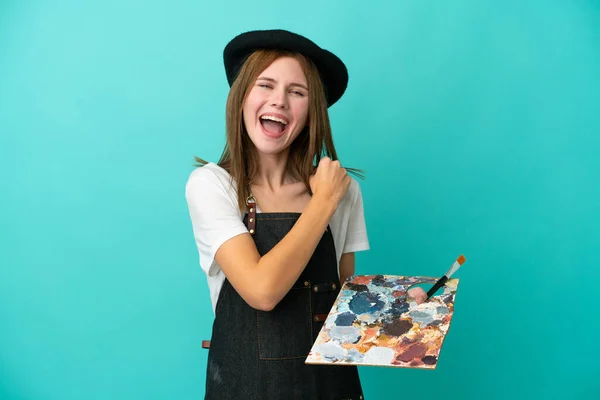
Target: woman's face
[276, 109]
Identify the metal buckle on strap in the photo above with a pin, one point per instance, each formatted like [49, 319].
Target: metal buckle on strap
[251, 205]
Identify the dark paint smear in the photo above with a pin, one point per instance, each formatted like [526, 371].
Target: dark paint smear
[345, 319]
[398, 327]
[399, 307]
[361, 303]
[448, 299]
[378, 280]
[437, 322]
[356, 287]
[429, 360]
[388, 284]
[415, 351]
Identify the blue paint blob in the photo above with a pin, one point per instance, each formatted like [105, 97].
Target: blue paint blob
[443, 310]
[364, 302]
[331, 352]
[354, 356]
[345, 334]
[419, 315]
[345, 319]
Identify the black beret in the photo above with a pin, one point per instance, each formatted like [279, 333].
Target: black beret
[332, 70]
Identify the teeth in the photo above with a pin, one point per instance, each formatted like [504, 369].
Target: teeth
[272, 118]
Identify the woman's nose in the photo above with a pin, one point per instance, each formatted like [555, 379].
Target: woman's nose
[279, 99]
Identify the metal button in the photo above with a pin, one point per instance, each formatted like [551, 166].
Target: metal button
[316, 289]
[334, 286]
[252, 210]
[252, 231]
[306, 283]
[251, 219]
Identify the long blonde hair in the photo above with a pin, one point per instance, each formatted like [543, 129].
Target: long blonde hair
[239, 156]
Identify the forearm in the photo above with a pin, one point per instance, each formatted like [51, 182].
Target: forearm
[282, 265]
[347, 266]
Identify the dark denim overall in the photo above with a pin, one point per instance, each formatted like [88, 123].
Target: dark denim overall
[258, 355]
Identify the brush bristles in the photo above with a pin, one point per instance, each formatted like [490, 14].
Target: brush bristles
[461, 259]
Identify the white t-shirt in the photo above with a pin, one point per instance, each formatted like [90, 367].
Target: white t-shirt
[216, 218]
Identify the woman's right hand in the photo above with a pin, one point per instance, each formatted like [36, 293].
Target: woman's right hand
[330, 181]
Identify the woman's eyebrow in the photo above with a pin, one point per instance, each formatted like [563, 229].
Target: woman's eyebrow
[266, 78]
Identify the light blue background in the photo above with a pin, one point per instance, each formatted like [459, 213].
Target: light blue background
[477, 123]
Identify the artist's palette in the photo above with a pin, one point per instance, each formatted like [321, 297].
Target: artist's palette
[373, 322]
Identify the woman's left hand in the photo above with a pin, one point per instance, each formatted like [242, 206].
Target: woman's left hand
[418, 294]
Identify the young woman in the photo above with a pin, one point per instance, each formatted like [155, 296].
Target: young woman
[275, 233]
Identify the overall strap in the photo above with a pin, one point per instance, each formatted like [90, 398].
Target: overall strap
[251, 206]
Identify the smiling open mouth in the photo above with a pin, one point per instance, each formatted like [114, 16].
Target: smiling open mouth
[273, 125]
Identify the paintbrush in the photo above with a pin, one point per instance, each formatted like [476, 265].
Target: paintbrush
[459, 261]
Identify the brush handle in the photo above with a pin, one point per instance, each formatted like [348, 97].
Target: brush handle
[437, 285]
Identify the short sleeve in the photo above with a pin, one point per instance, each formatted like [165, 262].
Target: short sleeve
[214, 213]
[356, 234]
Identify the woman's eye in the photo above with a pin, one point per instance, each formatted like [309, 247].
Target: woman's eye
[264, 85]
[297, 93]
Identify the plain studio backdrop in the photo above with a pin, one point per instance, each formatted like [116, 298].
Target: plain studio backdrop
[477, 123]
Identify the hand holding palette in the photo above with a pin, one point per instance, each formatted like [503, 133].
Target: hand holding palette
[373, 322]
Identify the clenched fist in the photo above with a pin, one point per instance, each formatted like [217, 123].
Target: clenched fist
[330, 181]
